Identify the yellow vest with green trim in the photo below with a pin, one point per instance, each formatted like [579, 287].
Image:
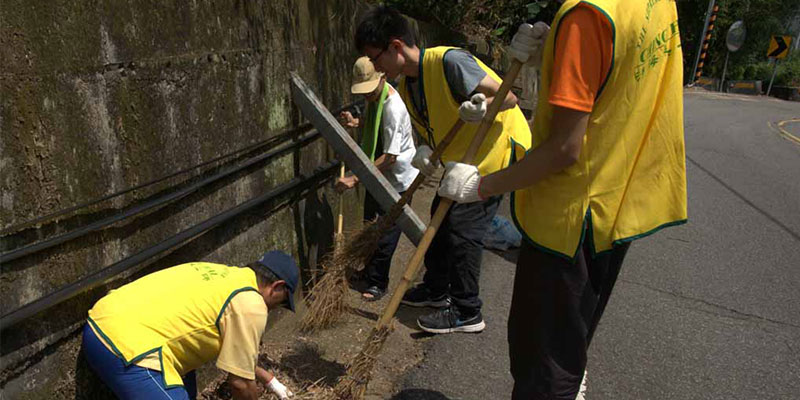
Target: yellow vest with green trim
[630, 177]
[495, 151]
[174, 311]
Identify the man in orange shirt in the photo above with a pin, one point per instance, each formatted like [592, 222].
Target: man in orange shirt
[607, 166]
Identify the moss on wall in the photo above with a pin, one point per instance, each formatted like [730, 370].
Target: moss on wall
[102, 96]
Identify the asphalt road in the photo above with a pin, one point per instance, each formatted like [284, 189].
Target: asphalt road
[707, 310]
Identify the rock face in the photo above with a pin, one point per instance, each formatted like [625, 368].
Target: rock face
[100, 97]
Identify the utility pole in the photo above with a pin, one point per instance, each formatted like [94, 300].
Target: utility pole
[774, 70]
[700, 49]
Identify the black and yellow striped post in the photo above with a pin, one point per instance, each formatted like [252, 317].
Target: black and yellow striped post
[706, 40]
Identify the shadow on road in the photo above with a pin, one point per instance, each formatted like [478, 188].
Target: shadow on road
[419, 394]
[305, 365]
[510, 255]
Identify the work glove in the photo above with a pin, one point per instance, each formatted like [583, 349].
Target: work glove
[528, 42]
[461, 183]
[279, 389]
[474, 109]
[422, 161]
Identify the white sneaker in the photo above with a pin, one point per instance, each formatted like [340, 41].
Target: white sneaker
[582, 390]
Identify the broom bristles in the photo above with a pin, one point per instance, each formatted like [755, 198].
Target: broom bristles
[328, 302]
[327, 299]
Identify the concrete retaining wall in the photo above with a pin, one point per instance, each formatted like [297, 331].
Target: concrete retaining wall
[102, 96]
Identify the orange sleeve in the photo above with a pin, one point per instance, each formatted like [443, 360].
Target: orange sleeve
[584, 50]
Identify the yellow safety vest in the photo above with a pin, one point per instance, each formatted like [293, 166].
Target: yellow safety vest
[441, 112]
[174, 312]
[630, 178]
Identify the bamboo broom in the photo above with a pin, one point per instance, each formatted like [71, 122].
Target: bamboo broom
[337, 240]
[326, 299]
[354, 383]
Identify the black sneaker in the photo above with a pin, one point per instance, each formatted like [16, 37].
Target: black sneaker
[448, 321]
[420, 296]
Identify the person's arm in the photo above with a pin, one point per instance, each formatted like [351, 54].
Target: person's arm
[466, 78]
[348, 182]
[583, 55]
[241, 326]
[385, 161]
[268, 379]
[489, 87]
[347, 119]
[243, 389]
[584, 49]
[561, 149]
[264, 376]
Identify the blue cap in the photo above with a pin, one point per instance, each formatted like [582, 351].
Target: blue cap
[284, 267]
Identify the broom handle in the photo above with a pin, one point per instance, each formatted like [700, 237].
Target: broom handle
[444, 205]
[340, 221]
[397, 208]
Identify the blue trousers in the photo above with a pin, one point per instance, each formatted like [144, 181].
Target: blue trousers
[132, 382]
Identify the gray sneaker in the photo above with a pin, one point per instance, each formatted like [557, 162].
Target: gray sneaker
[448, 320]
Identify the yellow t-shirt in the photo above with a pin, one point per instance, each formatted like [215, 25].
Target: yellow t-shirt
[241, 326]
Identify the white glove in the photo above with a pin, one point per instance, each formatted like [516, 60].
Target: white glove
[527, 44]
[461, 183]
[474, 109]
[279, 389]
[422, 161]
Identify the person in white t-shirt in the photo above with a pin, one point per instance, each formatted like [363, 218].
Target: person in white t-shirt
[386, 139]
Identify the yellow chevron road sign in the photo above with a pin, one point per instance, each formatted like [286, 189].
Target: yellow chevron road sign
[779, 46]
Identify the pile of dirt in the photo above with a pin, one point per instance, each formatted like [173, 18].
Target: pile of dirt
[309, 363]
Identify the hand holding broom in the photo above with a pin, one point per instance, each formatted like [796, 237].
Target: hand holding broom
[353, 385]
[326, 299]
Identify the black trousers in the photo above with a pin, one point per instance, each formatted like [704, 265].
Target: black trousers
[377, 268]
[453, 260]
[555, 309]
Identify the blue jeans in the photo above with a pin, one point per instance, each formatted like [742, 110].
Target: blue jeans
[131, 382]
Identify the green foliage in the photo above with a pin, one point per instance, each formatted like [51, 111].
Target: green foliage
[788, 73]
[496, 21]
[493, 20]
[762, 18]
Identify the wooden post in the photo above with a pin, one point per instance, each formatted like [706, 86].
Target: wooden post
[350, 153]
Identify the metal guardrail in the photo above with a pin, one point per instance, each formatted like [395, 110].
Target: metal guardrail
[38, 220]
[134, 262]
[97, 225]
